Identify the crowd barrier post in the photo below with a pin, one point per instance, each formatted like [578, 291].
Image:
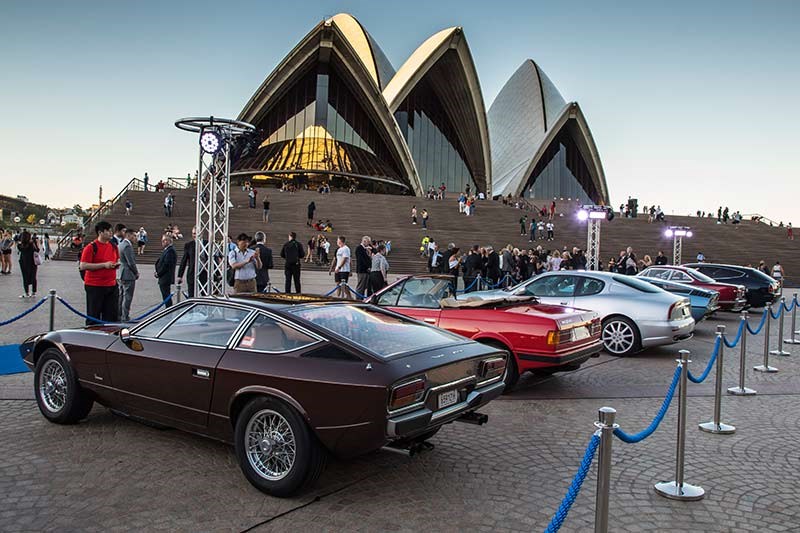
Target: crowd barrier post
[765, 367]
[178, 294]
[794, 332]
[52, 298]
[779, 350]
[605, 426]
[677, 489]
[715, 426]
[741, 390]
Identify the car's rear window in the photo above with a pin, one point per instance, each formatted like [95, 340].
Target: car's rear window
[378, 332]
[636, 284]
[701, 277]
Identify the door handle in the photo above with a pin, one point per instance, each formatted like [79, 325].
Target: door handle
[201, 373]
[564, 303]
[429, 320]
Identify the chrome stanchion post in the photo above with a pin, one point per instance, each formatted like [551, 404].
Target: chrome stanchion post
[52, 298]
[178, 293]
[741, 390]
[765, 367]
[678, 490]
[779, 350]
[715, 426]
[794, 332]
[605, 427]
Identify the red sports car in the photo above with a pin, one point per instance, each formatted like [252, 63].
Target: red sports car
[546, 338]
[731, 297]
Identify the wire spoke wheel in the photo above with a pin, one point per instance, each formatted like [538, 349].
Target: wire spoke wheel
[271, 447]
[53, 386]
[618, 337]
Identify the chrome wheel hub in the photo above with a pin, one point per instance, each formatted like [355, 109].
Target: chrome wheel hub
[53, 386]
[618, 337]
[270, 443]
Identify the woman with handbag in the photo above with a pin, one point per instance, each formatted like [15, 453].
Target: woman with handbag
[29, 261]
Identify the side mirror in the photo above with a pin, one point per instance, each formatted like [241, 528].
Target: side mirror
[125, 335]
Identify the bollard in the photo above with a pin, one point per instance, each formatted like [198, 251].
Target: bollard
[793, 339]
[779, 350]
[678, 490]
[765, 367]
[52, 309]
[741, 390]
[605, 427]
[178, 293]
[479, 283]
[269, 287]
[715, 426]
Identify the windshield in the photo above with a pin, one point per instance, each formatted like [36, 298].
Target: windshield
[637, 284]
[377, 332]
[699, 276]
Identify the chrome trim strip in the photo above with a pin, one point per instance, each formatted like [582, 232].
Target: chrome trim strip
[321, 428]
[248, 321]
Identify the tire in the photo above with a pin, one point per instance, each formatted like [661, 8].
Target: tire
[512, 371]
[60, 398]
[620, 336]
[271, 464]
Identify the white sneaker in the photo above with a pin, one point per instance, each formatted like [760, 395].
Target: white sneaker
[23, 295]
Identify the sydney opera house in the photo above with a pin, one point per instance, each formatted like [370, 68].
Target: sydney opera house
[335, 110]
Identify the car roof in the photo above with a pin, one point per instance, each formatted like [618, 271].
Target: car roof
[667, 283]
[735, 267]
[274, 300]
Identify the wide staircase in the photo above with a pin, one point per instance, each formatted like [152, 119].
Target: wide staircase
[388, 217]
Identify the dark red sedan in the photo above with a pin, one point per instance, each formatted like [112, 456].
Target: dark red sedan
[731, 297]
[546, 338]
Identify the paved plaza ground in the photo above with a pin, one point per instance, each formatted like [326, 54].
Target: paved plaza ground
[109, 473]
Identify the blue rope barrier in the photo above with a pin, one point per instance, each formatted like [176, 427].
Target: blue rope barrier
[358, 294]
[738, 336]
[154, 309]
[331, 291]
[773, 315]
[465, 289]
[22, 314]
[87, 317]
[705, 373]
[276, 289]
[638, 437]
[789, 308]
[760, 325]
[575, 487]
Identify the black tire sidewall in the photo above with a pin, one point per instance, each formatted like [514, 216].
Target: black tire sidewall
[636, 337]
[305, 451]
[67, 414]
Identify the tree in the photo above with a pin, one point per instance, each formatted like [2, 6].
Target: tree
[77, 209]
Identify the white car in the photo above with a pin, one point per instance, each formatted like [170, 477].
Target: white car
[635, 314]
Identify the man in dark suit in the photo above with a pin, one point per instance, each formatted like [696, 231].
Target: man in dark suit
[493, 266]
[165, 268]
[472, 269]
[187, 263]
[292, 252]
[127, 274]
[262, 274]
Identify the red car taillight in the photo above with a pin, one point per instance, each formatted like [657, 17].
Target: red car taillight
[493, 367]
[676, 310]
[407, 394]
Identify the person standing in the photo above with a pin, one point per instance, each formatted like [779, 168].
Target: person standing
[425, 217]
[128, 206]
[141, 241]
[492, 266]
[6, 246]
[187, 265]
[523, 220]
[146, 181]
[46, 243]
[28, 252]
[251, 196]
[99, 261]
[661, 259]
[472, 268]
[312, 207]
[341, 267]
[363, 263]
[414, 215]
[265, 255]
[127, 274]
[119, 234]
[165, 268]
[244, 262]
[167, 210]
[265, 215]
[777, 273]
[789, 232]
[292, 253]
[532, 236]
[550, 230]
[379, 268]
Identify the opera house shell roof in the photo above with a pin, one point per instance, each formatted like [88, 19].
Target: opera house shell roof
[335, 109]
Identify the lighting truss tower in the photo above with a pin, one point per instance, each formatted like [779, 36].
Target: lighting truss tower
[678, 233]
[216, 137]
[593, 214]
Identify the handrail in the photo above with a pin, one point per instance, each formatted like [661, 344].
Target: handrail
[767, 221]
[64, 240]
[173, 183]
[135, 184]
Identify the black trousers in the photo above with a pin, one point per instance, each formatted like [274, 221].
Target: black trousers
[102, 303]
[376, 281]
[28, 277]
[468, 282]
[292, 272]
[165, 290]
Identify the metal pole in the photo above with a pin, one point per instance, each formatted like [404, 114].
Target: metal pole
[741, 390]
[779, 350]
[793, 340]
[678, 490]
[52, 309]
[716, 426]
[765, 367]
[605, 427]
[178, 293]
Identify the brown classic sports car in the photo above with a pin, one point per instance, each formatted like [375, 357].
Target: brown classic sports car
[285, 378]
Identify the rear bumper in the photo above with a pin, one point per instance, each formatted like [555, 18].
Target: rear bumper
[666, 332]
[423, 419]
[733, 305]
[578, 356]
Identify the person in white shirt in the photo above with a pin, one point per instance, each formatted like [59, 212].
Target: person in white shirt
[244, 263]
[341, 267]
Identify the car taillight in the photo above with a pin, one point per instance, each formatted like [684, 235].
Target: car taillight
[740, 291]
[553, 337]
[676, 310]
[493, 367]
[407, 394]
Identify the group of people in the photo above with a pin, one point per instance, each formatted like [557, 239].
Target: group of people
[31, 252]
[542, 230]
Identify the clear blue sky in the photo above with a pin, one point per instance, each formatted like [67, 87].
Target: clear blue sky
[692, 104]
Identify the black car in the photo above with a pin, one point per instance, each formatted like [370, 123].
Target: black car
[761, 288]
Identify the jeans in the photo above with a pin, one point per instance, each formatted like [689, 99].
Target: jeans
[126, 288]
[292, 271]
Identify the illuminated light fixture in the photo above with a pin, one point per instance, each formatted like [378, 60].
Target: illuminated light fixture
[210, 141]
[678, 231]
[583, 215]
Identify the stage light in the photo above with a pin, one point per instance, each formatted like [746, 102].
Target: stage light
[597, 215]
[669, 233]
[583, 215]
[210, 141]
[689, 234]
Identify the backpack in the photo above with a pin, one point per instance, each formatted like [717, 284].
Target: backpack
[93, 244]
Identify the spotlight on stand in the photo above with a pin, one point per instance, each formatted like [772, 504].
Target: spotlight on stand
[677, 233]
[593, 214]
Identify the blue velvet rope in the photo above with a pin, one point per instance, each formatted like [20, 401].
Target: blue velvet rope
[575, 487]
[638, 437]
[738, 336]
[789, 308]
[705, 373]
[87, 317]
[760, 325]
[465, 289]
[22, 314]
[778, 315]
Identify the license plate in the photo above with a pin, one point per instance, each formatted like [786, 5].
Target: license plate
[448, 398]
